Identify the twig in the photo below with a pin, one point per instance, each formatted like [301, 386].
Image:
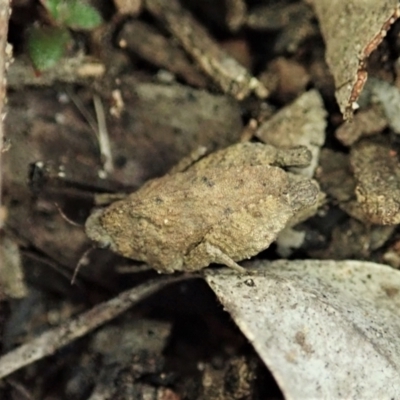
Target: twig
[232, 77]
[99, 128]
[49, 342]
[77, 69]
[102, 135]
[4, 59]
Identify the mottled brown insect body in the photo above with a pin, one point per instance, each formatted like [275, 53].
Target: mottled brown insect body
[226, 207]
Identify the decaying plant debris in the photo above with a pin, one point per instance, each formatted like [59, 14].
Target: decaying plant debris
[218, 132]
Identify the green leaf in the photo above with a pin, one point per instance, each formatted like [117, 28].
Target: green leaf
[82, 16]
[75, 14]
[52, 7]
[58, 9]
[46, 45]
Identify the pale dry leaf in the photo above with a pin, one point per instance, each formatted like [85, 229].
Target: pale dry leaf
[325, 329]
[352, 30]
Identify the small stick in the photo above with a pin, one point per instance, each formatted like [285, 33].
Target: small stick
[49, 342]
[232, 77]
[75, 69]
[5, 56]
[99, 128]
[102, 135]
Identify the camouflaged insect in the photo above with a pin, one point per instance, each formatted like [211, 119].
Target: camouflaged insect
[226, 207]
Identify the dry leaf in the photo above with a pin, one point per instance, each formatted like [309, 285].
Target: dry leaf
[325, 329]
[352, 30]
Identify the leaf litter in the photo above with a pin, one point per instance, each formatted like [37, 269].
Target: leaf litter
[282, 94]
